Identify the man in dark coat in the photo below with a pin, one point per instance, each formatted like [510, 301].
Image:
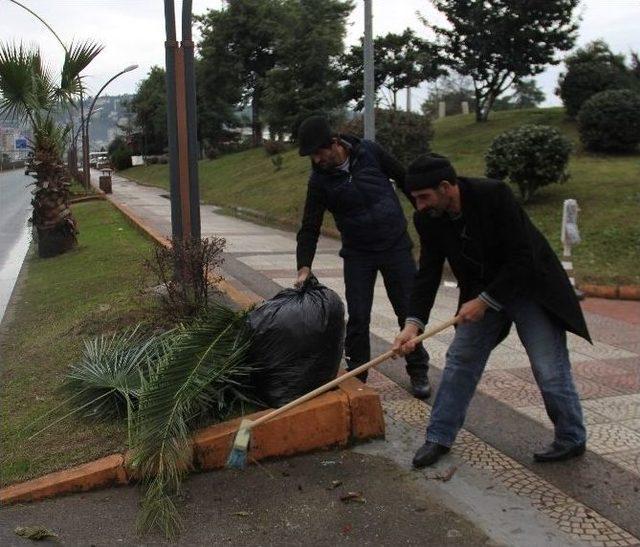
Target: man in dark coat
[351, 178]
[507, 273]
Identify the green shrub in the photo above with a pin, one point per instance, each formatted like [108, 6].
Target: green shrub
[589, 70]
[405, 135]
[120, 158]
[529, 156]
[610, 121]
[584, 80]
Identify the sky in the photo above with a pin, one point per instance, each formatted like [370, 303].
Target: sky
[132, 32]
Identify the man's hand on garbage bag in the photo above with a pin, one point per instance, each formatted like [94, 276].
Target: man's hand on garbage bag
[402, 344]
[303, 273]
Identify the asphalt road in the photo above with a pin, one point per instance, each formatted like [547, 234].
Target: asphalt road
[15, 207]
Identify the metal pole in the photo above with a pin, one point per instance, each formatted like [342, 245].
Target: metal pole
[369, 89]
[85, 125]
[171, 47]
[192, 120]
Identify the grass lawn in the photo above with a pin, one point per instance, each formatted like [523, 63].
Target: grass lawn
[607, 189]
[62, 301]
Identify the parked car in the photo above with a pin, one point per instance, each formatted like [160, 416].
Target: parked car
[103, 163]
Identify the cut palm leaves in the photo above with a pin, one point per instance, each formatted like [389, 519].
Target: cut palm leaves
[107, 381]
[205, 375]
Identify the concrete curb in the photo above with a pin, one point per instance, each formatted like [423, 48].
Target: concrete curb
[82, 199]
[614, 292]
[351, 413]
[340, 417]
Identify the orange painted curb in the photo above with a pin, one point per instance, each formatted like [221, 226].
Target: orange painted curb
[614, 292]
[82, 199]
[107, 471]
[320, 423]
[367, 418]
[629, 292]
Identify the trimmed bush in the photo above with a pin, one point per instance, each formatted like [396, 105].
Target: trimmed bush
[583, 80]
[405, 135]
[610, 121]
[529, 156]
[120, 158]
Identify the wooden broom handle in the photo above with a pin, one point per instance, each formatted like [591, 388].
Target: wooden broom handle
[326, 387]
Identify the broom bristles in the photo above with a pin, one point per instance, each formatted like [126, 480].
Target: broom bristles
[237, 459]
[238, 456]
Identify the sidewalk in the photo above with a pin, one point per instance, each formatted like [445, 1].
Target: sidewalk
[591, 501]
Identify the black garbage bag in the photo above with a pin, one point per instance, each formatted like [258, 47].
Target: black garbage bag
[298, 339]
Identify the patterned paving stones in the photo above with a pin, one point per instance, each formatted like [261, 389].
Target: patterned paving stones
[617, 409]
[607, 438]
[571, 516]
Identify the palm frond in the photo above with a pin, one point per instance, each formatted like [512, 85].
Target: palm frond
[208, 361]
[16, 81]
[43, 88]
[78, 57]
[117, 365]
[159, 511]
[49, 136]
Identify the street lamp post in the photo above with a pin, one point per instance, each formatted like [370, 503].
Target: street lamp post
[182, 126]
[86, 170]
[369, 88]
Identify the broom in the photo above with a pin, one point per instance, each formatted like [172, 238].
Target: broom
[238, 456]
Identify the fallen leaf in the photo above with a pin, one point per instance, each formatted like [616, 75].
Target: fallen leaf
[353, 497]
[445, 476]
[36, 533]
[242, 514]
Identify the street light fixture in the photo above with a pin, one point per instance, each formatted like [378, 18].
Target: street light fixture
[86, 170]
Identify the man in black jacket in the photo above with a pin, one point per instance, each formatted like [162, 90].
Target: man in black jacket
[351, 178]
[507, 273]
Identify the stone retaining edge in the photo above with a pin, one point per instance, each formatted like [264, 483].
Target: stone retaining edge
[341, 417]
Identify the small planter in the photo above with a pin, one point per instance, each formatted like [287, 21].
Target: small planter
[105, 183]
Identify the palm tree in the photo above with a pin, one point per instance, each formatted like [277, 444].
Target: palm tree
[30, 93]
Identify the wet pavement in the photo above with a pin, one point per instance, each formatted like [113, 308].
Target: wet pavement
[15, 232]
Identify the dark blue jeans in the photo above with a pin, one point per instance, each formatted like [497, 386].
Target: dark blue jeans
[546, 345]
[398, 269]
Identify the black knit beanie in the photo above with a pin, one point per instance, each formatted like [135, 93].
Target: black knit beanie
[428, 171]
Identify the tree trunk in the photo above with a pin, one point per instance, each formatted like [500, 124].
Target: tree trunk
[488, 105]
[478, 107]
[54, 222]
[256, 125]
[56, 241]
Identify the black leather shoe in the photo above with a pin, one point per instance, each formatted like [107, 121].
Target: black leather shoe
[428, 454]
[420, 387]
[559, 453]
